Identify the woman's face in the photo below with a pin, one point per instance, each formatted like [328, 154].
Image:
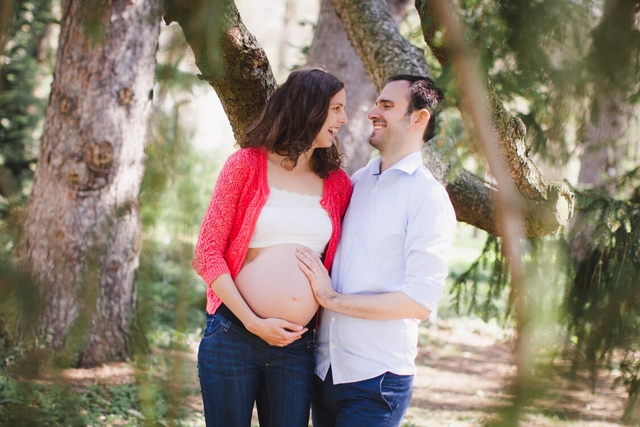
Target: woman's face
[335, 118]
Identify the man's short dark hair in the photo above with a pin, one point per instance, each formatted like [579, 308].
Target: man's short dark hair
[423, 93]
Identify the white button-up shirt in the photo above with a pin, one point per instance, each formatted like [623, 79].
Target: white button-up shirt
[396, 236]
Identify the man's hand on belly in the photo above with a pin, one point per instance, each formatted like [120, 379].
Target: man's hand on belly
[312, 266]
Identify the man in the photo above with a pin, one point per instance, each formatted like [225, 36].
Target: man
[389, 270]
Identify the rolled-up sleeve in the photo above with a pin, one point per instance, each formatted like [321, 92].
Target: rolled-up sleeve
[431, 226]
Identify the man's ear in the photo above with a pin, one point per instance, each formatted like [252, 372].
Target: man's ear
[421, 117]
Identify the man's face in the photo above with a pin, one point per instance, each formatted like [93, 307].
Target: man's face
[389, 116]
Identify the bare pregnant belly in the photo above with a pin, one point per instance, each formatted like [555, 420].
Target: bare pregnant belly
[273, 285]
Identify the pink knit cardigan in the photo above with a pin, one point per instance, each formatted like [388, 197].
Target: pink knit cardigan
[229, 222]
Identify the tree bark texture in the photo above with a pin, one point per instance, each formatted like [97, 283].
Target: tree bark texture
[332, 51]
[82, 229]
[228, 56]
[376, 38]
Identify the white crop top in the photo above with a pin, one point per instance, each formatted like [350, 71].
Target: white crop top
[290, 217]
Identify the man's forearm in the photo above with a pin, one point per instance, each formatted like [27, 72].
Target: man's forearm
[387, 306]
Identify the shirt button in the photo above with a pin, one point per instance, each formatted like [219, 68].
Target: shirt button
[356, 239]
[376, 187]
[333, 319]
[333, 346]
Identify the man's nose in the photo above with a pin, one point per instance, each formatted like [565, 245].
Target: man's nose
[373, 113]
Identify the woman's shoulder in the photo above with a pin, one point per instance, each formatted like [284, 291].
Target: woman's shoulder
[241, 165]
[338, 174]
[251, 155]
[245, 159]
[339, 179]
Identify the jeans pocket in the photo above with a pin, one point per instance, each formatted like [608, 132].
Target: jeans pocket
[389, 390]
[214, 325]
[395, 389]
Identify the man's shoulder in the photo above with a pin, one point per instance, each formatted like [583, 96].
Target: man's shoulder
[423, 177]
[424, 186]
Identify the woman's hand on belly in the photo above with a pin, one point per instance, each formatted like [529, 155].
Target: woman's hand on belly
[276, 332]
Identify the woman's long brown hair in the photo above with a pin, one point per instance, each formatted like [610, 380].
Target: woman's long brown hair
[293, 117]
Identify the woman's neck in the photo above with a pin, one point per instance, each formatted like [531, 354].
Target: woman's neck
[303, 164]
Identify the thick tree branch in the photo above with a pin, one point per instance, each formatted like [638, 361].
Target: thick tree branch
[367, 22]
[228, 56]
[430, 29]
[375, 36]
[539, 193]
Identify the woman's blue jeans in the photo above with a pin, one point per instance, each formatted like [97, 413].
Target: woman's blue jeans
[237, 368]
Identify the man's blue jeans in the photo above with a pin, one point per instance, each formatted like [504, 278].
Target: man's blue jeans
[236, 369]
[377, 402]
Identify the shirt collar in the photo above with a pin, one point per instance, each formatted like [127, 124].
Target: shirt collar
[408, 164]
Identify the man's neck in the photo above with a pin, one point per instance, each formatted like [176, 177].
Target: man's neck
[388, 159]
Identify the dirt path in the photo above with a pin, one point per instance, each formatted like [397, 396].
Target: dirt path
[464, 367]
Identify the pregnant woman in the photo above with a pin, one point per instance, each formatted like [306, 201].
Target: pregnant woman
[283, 189]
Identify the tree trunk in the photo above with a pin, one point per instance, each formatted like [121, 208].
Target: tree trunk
[82, 230]
[332, 50]
[602, 148]
[613, 72]
[6, 12]
[288, 25]
[608, 120]
[600, 161]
